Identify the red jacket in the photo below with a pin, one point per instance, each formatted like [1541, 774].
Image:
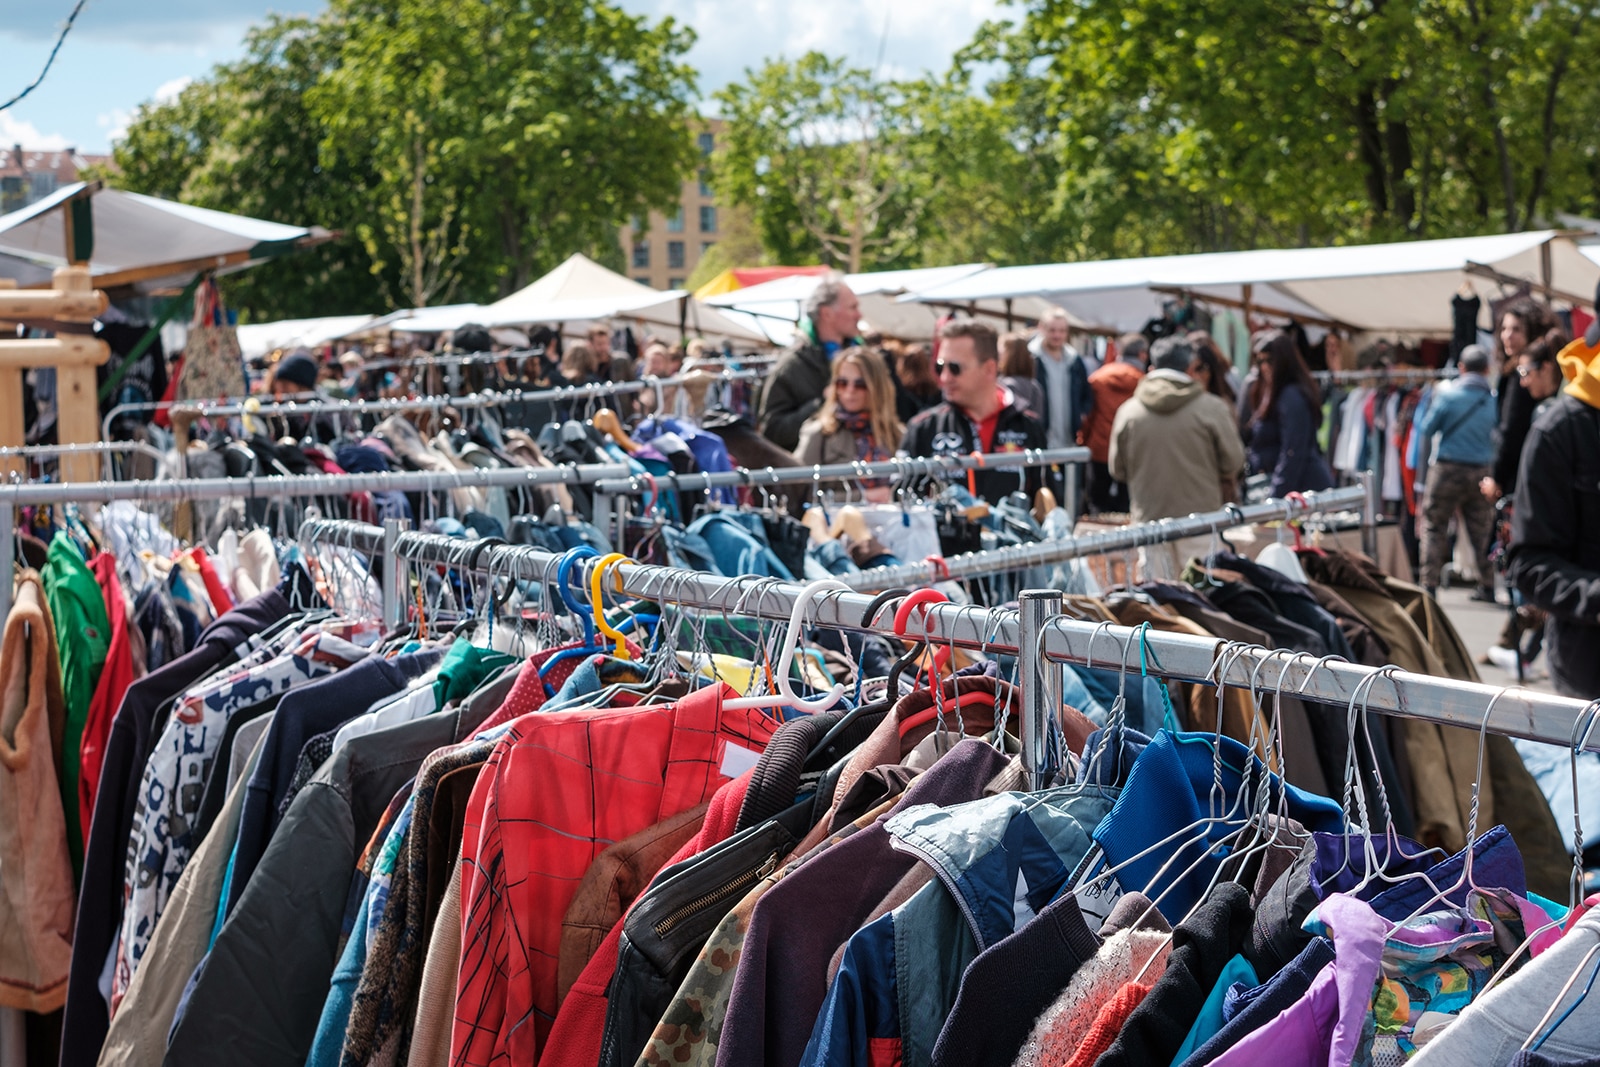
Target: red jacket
[115, 677]
[1111, 386]
[581, 1022]
[546, 804]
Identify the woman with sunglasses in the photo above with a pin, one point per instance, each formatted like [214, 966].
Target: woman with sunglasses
[857, 420]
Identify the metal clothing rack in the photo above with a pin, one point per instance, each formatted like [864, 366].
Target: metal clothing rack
[899, 467]
[1161, 531]
[1399, 374]
[104, 448]
[1043, 638]
[13, 496]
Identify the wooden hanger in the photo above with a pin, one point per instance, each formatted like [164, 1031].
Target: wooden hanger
[606, 421]
[1044, 502]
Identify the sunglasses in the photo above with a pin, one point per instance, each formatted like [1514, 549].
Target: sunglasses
[953, 369]
[1523, 372]
[850, 383]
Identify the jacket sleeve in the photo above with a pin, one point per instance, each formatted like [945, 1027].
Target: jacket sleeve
[783, 411]
[1516, 417]
[1117, 456]
[1082, 396]
[1230, 446]
[809, 450]
[1432, 417]
[1298, 437]
[1544, 530]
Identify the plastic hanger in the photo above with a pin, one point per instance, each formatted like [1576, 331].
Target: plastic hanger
[786, 697]
[597, 601]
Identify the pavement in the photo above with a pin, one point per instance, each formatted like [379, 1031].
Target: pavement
[1479, 626]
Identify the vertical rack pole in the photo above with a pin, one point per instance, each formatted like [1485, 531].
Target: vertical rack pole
[1369, 514]
[394, 575]
[1035, 675]
[8, 548]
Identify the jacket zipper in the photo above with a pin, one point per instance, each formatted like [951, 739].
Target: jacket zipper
[722, 892]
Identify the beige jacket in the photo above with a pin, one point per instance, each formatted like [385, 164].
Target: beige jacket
[37, 901]
[1174, 444]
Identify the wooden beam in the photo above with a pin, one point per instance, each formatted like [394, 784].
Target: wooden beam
[13, 421]
[52, 304]
[1247, 308]
[1483, 270]
[77, 419]
[70, 351]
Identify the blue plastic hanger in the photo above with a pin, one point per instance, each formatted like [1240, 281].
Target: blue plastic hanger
[581, 610]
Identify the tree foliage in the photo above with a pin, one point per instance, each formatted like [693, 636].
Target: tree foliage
[462, 149]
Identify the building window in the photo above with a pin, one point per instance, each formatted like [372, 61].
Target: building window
[641, 255]
[674, 283]
[705, 186]
[640, 224]
[708, 218]
[675, 254]
[642, 281]
[707, 142]
[706, 246]
[675, 223]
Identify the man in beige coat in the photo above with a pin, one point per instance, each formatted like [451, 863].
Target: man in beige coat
[1174, 443]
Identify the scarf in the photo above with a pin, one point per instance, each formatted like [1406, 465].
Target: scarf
[860, 424]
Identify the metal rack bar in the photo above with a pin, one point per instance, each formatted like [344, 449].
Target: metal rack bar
[1420, 374]
[900, 467]
[474, 401]
[1183, 657]
[1161, 531]
[194, 489]
[99, 447]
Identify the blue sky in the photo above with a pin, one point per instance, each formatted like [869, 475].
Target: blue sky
[124, 52]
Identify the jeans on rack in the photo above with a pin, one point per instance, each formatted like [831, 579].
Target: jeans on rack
[828, 560]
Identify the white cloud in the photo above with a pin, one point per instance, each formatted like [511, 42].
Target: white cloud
[915, 35]
[15, 131]
[169, 90]
[114, 122]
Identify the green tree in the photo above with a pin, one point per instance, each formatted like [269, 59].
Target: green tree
[506, 135]
[820, 152]
[242, 140]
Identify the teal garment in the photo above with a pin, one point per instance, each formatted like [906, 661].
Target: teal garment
[1235, 971]
[464, 668]
[83, 638]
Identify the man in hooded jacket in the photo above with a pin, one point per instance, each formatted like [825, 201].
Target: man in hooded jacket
[1174, 443]
[1555, 547]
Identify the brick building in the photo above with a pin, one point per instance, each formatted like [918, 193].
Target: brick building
[662, 251]
[28, 175]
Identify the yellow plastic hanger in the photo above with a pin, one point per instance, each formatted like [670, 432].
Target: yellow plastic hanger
[596, 576]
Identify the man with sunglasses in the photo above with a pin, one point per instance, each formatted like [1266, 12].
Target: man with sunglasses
[978, 414]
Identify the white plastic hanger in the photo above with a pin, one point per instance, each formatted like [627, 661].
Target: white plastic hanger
[785, 697]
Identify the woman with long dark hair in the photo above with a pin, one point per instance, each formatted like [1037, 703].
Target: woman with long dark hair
[1285, 414]
[1212, 367]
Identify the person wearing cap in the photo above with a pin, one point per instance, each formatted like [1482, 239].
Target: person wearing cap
[1554, 556]
[1461, 422]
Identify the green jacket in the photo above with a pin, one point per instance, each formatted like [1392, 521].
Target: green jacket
[84, 637]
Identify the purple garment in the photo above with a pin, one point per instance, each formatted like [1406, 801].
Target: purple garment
[803, 919]
[1324, 1027]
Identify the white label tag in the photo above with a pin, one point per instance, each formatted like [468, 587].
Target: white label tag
[736, 759]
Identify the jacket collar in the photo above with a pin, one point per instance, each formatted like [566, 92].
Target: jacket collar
[1005, 857]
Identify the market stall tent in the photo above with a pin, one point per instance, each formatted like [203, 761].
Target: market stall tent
[134, 243]
[1405, 287]
[260, 338]
[778, 303]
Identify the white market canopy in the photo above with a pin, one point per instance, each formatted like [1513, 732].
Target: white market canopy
[777, 304]
[582, 291]
[1404, 287]
[137, 241]
[261, 338]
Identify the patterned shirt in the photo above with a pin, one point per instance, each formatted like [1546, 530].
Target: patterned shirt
[164, 823]
[544, 807]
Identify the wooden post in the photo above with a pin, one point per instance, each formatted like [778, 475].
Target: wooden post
[12, 418]
[74, 357]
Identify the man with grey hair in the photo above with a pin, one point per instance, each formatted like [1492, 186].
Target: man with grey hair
[1459, 427]
[793, 392]
[1173, 443]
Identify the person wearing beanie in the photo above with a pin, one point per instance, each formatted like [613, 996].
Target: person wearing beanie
[1555, 552]
[295, 373]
